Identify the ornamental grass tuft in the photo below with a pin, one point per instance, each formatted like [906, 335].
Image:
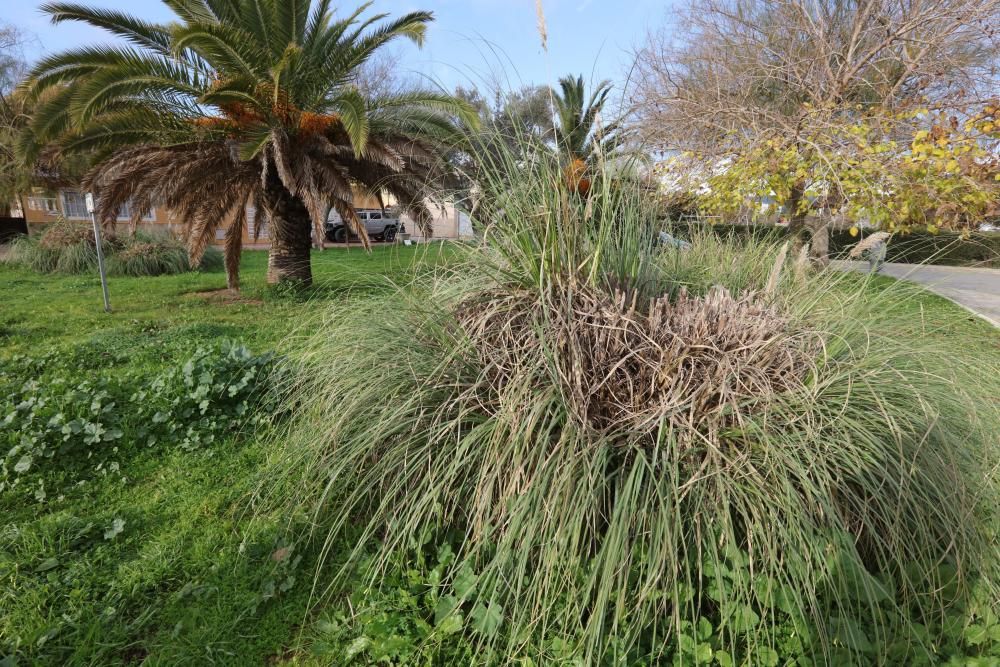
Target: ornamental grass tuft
[643, 455]
[68, 247]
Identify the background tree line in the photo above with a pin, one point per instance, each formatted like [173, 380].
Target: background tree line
[843, 111]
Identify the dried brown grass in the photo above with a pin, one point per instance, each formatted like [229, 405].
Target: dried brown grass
[704, 362]
[63, 234]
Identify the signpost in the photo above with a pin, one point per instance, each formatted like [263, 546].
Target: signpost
[100, 252]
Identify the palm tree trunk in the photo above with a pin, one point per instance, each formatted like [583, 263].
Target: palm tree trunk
[234, 251]
[291, 229]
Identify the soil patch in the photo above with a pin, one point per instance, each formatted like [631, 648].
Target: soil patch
[225, 297]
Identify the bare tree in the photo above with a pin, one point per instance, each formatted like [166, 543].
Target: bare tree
[12, 116]
[384, 75]
[735, 75]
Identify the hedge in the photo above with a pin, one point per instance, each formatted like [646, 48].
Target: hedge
[945, 248]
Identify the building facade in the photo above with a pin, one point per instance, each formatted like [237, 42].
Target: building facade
[42, 207]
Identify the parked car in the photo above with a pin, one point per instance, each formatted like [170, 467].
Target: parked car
[378, 224]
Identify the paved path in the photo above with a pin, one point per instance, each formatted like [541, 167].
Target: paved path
[978, 290]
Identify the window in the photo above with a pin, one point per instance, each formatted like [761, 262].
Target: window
[74, 204]
[125, 213]
[374, 215]
[251, 230]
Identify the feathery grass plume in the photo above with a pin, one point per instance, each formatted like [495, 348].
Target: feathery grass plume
[775, 275]
[543, 32]
[868, 243]
[802, 263]
[625, 445]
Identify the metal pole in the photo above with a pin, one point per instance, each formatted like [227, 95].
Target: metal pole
[100, 253]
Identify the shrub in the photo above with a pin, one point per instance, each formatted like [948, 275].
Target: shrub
[68, 247]
[79, 257]
[976, 249]
[212, 260]
[26, 251]
[944, 248]
[63, 234]
[712, 455]
[145, 258]
[154, 255]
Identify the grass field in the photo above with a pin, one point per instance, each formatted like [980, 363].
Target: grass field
[185, 582]
[187, 578]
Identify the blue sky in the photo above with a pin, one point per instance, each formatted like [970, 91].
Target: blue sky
[469, 43]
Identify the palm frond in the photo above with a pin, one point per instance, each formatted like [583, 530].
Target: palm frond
[423, 99]
[148, 35]
[289, 26]
[193, 11]
[256, 19]
[226, 48]
[353, 110]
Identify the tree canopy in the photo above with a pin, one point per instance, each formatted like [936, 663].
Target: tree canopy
[827, 106]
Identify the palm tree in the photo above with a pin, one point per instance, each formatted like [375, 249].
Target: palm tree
[580, 137]
[244, 102]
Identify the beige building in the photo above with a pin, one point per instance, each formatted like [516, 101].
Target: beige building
[448, 223]
[46, 206]
[42, 207]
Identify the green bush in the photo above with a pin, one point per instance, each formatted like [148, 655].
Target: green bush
[714, 456]
[943, 248]
[978, 249]
[142, 258]
[67, 247]
[153, 255]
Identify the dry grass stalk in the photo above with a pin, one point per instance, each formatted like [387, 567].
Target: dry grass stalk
[700, 362]
[868, 243]
[543, 32]
[775, 275]
[64, 234]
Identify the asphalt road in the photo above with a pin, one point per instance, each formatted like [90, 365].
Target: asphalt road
[978, 290]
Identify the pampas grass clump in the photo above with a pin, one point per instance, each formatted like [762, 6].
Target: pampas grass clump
[152, 255]
[68, 247]
[634, 443]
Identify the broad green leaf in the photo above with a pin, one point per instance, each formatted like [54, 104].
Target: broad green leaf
[486, 618]
[451, 624]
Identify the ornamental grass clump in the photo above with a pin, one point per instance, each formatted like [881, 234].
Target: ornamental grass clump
[69, 247]
[64, 247]
[641, 454]
[155, 255]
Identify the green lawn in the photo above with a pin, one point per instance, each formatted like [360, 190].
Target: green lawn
[47, 310]
[188, 578]
[186, 581]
